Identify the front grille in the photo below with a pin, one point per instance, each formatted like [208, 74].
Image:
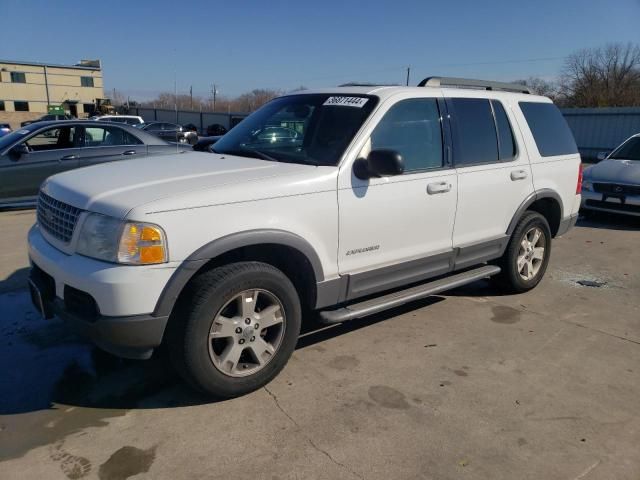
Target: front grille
[616, 189]
[614, 206]
[57, 218]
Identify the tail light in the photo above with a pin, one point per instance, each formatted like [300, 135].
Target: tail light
[579, 185]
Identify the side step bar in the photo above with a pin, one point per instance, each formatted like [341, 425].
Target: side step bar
[379, 304]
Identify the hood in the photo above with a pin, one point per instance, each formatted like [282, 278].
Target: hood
[614, 171]
[117, 187]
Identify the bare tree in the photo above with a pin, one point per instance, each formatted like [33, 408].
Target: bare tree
[608, 76]
[247, 102]
[540, 86]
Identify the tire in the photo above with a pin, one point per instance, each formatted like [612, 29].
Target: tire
[512, 278]
[208, 328]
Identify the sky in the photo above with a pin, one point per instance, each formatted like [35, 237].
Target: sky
[146, 46]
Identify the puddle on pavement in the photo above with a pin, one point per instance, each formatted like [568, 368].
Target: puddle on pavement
[127, 462]
[53, 385]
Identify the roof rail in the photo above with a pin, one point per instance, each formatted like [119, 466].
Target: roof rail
[364, 84]
[471, 83]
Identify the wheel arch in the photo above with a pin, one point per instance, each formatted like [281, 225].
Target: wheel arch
[547, 202]
[285, 250]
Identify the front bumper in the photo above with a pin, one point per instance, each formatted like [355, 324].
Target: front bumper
[110, 304]
[607, 203]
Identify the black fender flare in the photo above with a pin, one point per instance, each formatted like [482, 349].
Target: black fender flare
[215, 248]
[531, 198]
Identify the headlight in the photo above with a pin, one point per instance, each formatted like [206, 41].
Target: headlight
[587, 185]
[113, 240]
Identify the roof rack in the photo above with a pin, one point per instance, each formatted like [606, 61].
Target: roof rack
[471, 83]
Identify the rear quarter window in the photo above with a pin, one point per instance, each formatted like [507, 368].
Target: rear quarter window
[549, 128]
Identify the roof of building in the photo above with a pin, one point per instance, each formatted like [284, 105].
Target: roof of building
[78, 66]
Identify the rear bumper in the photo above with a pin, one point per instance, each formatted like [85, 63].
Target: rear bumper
[567, 224]
[594, 201]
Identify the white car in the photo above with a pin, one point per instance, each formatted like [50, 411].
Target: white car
[408, 190]
[128, 119]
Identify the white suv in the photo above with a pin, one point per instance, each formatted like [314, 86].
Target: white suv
[358, 199]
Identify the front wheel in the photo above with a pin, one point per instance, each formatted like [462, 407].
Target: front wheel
[235, 328]
[525, 260]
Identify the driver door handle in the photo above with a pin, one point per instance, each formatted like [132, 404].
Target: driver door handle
[69, 157]
[438, 187]
[518, 175]
[129, 152]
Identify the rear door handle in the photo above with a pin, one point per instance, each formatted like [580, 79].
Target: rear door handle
[438, 187]
[68, 157]
[518, 175]
[129, 152]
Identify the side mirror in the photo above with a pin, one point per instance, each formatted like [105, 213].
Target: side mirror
[380, 163]
[602, 155]
[18, 151]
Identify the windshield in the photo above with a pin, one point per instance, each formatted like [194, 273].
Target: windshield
[312, 129]
[13, 137]
[629, 150]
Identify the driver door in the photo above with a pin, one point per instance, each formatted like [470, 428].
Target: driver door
[51, 151]
[397, 230]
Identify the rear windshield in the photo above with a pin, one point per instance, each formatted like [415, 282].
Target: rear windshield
[629, 150]
[549, 128]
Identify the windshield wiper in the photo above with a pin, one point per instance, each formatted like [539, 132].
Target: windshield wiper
[248, 152]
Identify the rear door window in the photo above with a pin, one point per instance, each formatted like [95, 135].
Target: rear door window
[549, 128]
[475, 139]
[108, 137]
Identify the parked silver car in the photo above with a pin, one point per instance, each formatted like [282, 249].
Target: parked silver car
[31, 154]
[613, 185]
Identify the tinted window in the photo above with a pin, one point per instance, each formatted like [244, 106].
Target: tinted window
[18, 77]
[506, 144]
[629, 150]
[108, 137]
[549, 129]
[54, 139]
[86, 81]
[21, 106]
[475, 133]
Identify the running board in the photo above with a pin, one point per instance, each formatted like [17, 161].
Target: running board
[391, 300]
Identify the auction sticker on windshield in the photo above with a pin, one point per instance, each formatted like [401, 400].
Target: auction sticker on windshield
[357, 102]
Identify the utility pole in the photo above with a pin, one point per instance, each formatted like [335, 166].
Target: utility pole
[175, 96]
[46, 85]
[214, 93]
[191, 95]
[408, 73]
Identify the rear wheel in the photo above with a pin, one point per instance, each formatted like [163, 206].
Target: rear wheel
[527, 255]
[235, 328]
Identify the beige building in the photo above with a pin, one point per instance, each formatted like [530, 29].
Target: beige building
[27, 89]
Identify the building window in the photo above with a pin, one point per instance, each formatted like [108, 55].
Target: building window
[18, 77]
[21, 106]
[1, 105]
[86, 81]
